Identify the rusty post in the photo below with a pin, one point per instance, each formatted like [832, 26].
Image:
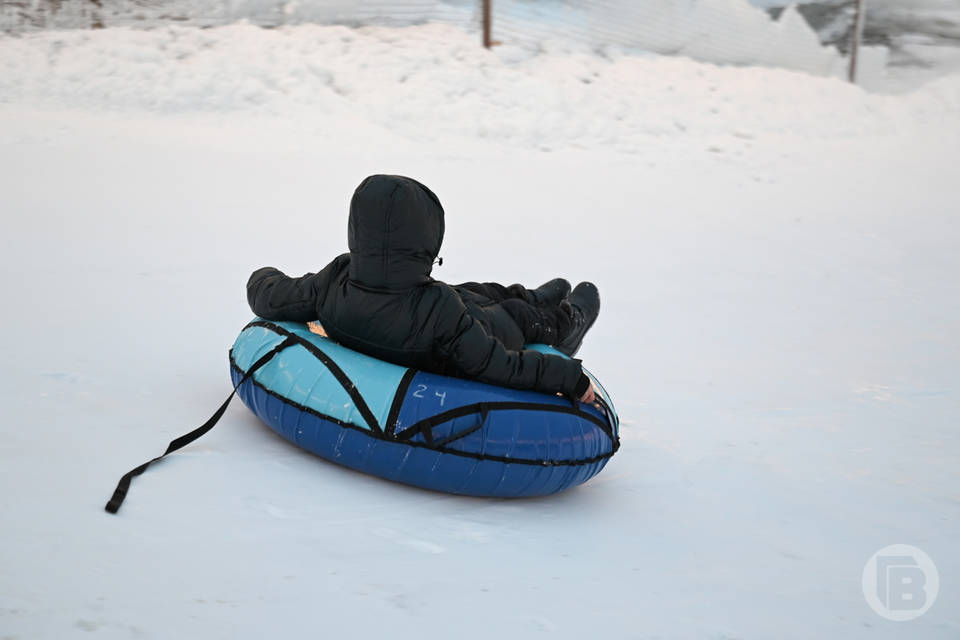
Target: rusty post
[487, 18]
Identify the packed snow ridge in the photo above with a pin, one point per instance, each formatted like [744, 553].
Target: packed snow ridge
[432, 82]
[720, 31]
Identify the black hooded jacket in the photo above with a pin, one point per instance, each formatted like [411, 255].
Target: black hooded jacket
[379, 299]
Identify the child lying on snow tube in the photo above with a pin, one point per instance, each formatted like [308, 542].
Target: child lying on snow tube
[379, 299]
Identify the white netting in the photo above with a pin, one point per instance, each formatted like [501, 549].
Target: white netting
[723, 31]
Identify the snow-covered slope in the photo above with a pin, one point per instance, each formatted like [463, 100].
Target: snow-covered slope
[720, 31]
[921, 35]
[432, 82]
[776, 254]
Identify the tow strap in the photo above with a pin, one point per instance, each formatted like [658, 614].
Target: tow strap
[120, 493]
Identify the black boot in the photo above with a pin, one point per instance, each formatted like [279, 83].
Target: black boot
[583, 307]
[551, 293]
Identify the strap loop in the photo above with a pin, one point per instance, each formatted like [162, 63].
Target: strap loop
[425, 427]
[484, 410]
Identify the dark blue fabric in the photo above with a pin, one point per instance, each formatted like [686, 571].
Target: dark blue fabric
[553, 437]
[533, 433]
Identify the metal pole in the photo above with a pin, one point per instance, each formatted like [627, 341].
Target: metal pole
[859, 16]
[487, 41]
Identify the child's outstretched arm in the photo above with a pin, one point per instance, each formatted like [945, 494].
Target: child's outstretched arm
[276, 296]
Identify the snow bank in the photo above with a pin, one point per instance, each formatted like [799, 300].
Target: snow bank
[67, 14]
[923, 34]
[720, 31]
[432, 82]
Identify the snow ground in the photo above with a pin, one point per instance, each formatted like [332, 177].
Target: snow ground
[777, 255]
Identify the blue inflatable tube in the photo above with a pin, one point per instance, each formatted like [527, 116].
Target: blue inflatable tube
[431, 431]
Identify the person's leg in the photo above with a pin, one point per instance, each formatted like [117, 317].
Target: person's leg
[562, 326]
[492, 291]
[583, 307]
[549, 293]
[496, 322]
[547, 325]
[516, 322]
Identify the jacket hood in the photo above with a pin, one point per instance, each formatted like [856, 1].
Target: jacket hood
[394, 234]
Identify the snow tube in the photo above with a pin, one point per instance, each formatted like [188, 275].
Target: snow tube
[419, 428]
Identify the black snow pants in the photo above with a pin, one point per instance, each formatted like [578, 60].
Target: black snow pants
[511, 314]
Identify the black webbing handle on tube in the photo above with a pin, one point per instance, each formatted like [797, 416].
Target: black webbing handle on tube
[120, 493]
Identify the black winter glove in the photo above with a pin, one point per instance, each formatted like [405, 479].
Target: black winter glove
[582, 385]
